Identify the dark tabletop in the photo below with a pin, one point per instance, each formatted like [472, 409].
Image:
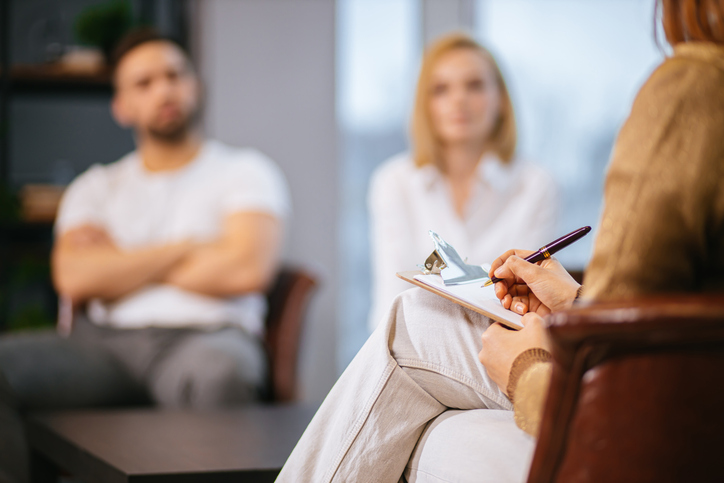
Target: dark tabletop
[170, 445]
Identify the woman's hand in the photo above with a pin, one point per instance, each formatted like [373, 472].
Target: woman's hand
[528, 287]
[501, 346]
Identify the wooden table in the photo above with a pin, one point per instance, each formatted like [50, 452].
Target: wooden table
[153, 445]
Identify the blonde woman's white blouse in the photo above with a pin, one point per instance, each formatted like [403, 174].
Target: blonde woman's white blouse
[512, 205]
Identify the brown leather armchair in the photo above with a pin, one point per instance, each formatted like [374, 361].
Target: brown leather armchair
[288, 299]
[636, 393]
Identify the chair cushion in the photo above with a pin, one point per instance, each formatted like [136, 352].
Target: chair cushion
[481, 445]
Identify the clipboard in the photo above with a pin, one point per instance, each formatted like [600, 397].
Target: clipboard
[471, 296]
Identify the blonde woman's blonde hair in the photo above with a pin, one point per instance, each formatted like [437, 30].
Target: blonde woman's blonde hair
[426, 147]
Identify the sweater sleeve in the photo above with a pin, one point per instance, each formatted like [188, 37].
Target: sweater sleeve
[528, 386]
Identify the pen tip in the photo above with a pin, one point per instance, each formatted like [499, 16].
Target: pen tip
[488, 283]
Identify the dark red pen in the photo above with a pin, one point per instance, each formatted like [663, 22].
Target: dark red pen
[549, 249]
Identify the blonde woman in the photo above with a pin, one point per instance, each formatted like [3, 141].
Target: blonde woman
[461, 179]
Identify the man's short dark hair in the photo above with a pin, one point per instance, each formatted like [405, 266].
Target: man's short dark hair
[136, 38]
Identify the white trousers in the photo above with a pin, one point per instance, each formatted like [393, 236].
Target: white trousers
[420, 362]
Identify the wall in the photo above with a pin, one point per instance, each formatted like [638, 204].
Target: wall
[442, 16]
[269, 73]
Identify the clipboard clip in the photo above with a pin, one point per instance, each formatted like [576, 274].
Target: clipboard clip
[446, 261]
[433, 264]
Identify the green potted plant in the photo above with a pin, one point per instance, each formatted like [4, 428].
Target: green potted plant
[103, 24]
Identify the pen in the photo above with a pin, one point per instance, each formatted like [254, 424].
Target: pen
[548, 250]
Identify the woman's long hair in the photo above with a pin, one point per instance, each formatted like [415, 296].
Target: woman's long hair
[426, 145]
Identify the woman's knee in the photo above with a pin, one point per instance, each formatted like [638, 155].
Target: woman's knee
[419, 317]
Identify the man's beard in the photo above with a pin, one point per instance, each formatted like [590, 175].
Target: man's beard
[176, 132]
[170, 135]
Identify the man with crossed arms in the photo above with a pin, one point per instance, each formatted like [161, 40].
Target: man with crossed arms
[168, 249]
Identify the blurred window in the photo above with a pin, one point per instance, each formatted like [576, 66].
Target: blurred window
[378, 45]
[574, 68]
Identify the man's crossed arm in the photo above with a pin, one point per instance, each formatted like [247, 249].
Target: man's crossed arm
[87, 264]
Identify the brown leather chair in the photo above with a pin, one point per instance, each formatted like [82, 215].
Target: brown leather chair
[288, 299]
[635, 394]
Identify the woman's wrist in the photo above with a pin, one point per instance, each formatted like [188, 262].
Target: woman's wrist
[572, 294]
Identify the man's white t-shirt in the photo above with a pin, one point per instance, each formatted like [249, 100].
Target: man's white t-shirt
[139, 208]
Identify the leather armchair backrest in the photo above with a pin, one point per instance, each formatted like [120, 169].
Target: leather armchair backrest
[636, 393]
[287, 299]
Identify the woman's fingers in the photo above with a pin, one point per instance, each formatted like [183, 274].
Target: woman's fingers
[515, 268]
[516, 288]
[520, 304]
[531, 319]
[498, 262]
[501, 289]
[500, 346]
[535, 305]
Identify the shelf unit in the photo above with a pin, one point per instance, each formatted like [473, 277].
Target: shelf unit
[53, 78]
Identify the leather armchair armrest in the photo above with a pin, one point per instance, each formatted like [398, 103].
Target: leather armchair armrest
[635, 392]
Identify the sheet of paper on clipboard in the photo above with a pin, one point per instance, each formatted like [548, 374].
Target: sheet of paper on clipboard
[471, 296]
